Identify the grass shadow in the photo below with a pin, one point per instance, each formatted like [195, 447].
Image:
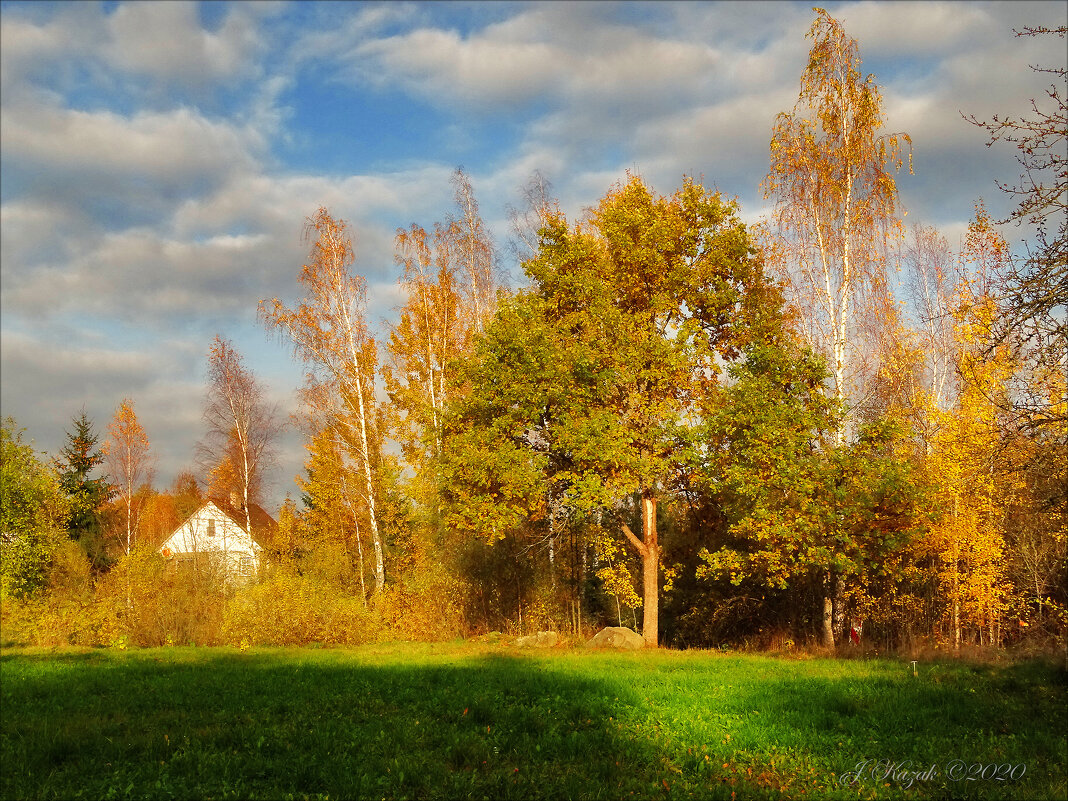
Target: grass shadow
[257, 725]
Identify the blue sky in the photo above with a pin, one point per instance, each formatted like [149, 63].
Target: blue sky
[158, 159]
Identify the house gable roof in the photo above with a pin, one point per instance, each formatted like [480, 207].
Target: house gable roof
[263, 525]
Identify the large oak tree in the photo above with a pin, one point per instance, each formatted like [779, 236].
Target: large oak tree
[584, 387]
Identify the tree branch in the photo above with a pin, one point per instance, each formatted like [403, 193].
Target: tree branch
[637, 543]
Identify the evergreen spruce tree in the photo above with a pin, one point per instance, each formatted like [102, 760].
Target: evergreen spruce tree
[78, 460]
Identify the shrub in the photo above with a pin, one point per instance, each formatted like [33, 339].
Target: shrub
[291, 609]
[160, 602]
[425, 604]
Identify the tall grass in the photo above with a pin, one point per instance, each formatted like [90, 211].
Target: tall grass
[478, 721]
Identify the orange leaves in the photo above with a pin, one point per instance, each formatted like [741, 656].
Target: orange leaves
[329, 333]
[125, 429]
[831, 175]
[128, 460]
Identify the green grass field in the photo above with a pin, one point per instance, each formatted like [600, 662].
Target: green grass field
[477, 721]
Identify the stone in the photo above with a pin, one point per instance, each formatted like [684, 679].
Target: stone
[543, 639]
[616, 637]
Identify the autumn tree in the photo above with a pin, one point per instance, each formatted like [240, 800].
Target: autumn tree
[1034, 301]
[831, 178]
[450, 286]
[129, 463]
[34, 511]
[329, 333]
[185, 489]
[431, 333]
[582, 386]
[964, 456]
[968, 539]
[158, 516]
[536, 208]
[797, 505]
[333, 509]
[932, 277]
[241, 428]
[475, 253]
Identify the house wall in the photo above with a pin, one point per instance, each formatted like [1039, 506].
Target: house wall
[229, 540]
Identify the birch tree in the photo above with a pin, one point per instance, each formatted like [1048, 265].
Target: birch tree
[536, 210]
[242, 425]
[329, 333]
[832, 181]
[475, 251]
[831, 177]
[932, 276]
[129, 463]
[449, 280]
[429, 336]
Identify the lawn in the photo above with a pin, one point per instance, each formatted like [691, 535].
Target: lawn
[464, 720]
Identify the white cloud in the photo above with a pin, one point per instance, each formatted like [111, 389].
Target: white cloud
[561, 51]
[32, 51]
[910, 29]
[177, 147]
[440, 66]
[167, 42]
[161, 43]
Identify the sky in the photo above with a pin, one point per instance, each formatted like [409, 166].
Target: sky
[158, 160]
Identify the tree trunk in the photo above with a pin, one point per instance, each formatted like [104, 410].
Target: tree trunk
[841, 628]
[828, 612]
[365, 454]
[649, 549]
[650, 572]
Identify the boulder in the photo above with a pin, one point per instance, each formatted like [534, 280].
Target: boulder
[543, 639]
[616, 637]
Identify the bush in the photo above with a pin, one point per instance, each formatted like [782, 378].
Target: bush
[159, 602]
[68, 614]
[426, 605]
[291, 609]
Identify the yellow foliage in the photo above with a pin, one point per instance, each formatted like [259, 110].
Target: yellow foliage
[966, 466]
[425, 605]
[290, 609]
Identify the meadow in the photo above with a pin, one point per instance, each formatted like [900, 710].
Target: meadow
[476, 720]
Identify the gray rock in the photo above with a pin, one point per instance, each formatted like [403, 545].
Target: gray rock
[616, 637]
[543, 639]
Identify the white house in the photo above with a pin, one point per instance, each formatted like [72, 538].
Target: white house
[218, 530]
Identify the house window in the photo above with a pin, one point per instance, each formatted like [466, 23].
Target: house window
[211, 528]
[246, 564]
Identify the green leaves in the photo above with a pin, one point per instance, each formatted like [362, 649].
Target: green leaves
[33, 510]
[588, 378]
[799, 504]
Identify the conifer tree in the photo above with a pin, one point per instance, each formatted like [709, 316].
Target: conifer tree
[79, 460]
